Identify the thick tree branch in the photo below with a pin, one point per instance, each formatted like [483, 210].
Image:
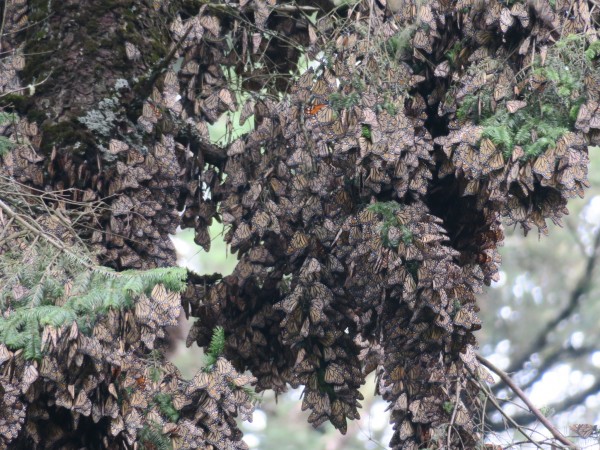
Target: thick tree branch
[536, 412]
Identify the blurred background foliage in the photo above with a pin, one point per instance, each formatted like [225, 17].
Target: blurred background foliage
[540, 323]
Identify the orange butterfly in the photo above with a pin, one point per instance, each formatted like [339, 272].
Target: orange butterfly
[311, 110]
[141, 382]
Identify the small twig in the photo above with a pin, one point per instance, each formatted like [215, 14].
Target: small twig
[456, 401]
[2, 24]
[536, 412]
[38, 232]
[278, 8]
[490, 396]
[29, 86]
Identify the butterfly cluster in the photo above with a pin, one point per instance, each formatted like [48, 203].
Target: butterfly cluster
[110, 374]
[365, 206]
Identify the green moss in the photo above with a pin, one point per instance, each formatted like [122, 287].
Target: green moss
[64, 134]
[366, 132]
[90, 46]
[553, 94]
[448, 407]
[340, 101]
[413, 268]
[15, 102]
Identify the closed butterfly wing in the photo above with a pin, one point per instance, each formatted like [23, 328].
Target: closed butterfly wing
[583, 430]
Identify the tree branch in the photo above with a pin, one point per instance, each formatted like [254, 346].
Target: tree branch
[574, 400]
[583, 285]
[536, 412]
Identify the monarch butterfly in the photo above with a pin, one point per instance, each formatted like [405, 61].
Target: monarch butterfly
[334, 374]
[465, 318]
[544, 164]
[151, 112]
[320, 88]
[496, 162]
[502, 88]
[345, 41]
[22, 22]
[312, 110]
[425, 16]
[421, 41]
[514, 105]
[191, 68]
[461, 417]
[160, 294]
[82, 405]
[236, 148]
[299, 158]
[226, 97]
[583, 430]
[211, 23]
[506, 20]
[138, 400]
[200, 381]
[260, 222]
[299, 242]
[30, 375]
[288, 304]
[246, 112]
[316, 311]
[406, 430]
[116, 425]
[18, 62]
[211, 103]
[5, 354]
[442, 70]
[177, 28]
[520, 12]
[115, 146]
[132, 51]
[306, 80]
[241, 380]
[49, 369]
[242, 234]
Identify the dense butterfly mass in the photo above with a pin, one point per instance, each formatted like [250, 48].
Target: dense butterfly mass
[109, 384]
[365, 206]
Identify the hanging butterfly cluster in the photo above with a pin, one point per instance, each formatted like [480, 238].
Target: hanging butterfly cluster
[365, 207]
[107, 380]
[136, 167]
[525, 171]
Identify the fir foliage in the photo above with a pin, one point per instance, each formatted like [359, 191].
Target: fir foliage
[388, 210]
[5, 143]
[553, 100]
[152, 438]
[45, 286]
[165, 404]
[216, 347]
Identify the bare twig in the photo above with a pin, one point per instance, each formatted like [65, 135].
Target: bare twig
[456, 402]
[569, 402]
[29, 86]
[493, 401]
[536, 412]
[39, 232]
